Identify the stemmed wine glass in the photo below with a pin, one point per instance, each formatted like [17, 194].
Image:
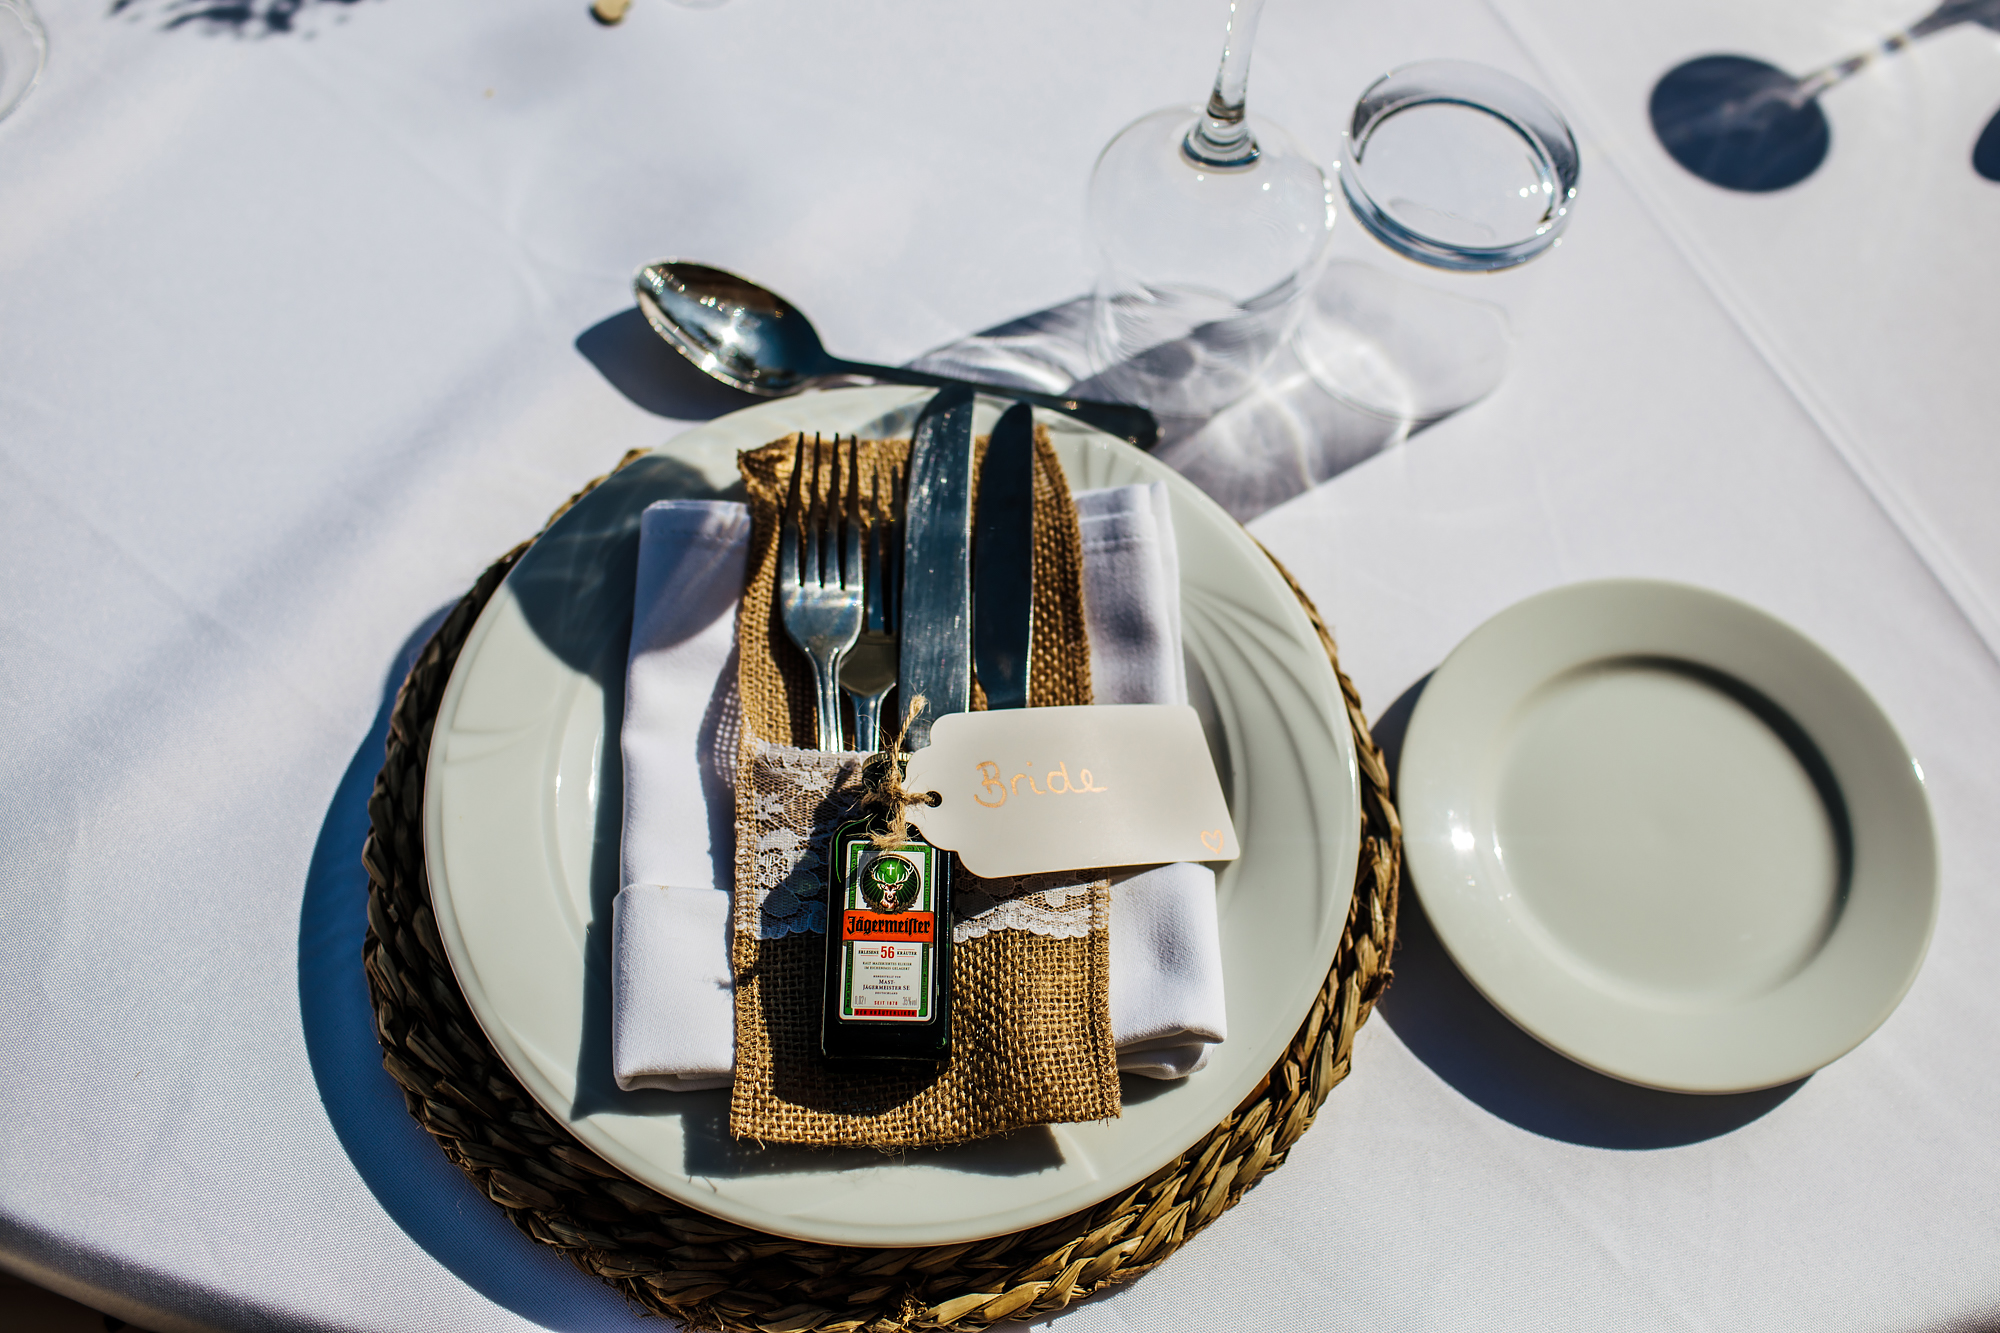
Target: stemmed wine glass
[1209, 226]
[23, 48]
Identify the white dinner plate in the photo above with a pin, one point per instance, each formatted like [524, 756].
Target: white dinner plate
[1668, 835]
[521, 824]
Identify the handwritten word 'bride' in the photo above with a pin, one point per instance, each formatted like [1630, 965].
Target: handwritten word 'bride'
[990, 781]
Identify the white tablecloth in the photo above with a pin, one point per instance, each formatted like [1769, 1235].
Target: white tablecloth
[302, 327]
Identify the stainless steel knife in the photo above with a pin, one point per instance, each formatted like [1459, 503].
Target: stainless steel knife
[935, 659]
[1003, 556]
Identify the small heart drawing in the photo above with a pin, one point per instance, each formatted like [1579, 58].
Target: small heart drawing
[1212, 839]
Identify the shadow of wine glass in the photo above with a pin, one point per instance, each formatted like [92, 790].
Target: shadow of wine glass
[1746, 125]
[1443, 1020]
[1738, 123]
[1282, 439]
[1986, 151]
[1286, 436]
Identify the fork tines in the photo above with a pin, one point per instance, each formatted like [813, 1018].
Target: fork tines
[820, 545]
[819, 566]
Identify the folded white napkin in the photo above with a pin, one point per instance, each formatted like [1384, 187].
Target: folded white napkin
[673, 1018]
[1166, 950]
[673, 1015]
[1132, 595]
[673, 1001]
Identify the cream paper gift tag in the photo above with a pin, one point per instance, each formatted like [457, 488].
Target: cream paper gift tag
[1029, 790]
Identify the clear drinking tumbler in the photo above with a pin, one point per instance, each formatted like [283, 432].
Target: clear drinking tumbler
[1457, 175]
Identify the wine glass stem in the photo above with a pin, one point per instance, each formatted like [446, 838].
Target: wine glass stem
[1222, 138]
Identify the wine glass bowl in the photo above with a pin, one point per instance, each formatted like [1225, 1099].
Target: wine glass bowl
[1200, 266]
[1209, 227]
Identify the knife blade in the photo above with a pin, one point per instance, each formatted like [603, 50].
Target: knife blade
[1003, 554]
[935, 659]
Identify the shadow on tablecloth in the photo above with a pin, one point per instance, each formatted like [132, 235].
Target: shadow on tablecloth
[428, 1197]
[639, 364]
[1445, 1022]
[261, 18]
[1283, 438]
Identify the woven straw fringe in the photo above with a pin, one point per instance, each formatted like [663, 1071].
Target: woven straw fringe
[673, 1260]
[1031, 1016]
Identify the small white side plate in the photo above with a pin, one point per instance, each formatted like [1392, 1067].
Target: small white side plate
[1669, 836]
[522, 803]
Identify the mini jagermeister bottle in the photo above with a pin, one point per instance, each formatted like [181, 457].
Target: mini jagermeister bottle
[888, 950]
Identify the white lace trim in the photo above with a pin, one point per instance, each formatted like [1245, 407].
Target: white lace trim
[1064, 912]
[800, 798]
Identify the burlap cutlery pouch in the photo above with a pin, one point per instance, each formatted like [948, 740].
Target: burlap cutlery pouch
[1031, 1023]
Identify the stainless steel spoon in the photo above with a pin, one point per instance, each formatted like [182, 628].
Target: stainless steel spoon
[755, 340]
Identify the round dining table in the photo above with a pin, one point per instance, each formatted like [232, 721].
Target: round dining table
[310, 309]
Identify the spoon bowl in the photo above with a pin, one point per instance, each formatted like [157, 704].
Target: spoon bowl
[748, 337]
[753, 339]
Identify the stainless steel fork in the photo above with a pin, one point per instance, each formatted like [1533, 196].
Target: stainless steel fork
[819, 573]
[868, 672]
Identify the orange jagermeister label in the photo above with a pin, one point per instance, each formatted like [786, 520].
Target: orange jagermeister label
[888, 933]
[888, 949]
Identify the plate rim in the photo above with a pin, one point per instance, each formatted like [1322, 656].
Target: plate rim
[1426, 780]
[695, 1191]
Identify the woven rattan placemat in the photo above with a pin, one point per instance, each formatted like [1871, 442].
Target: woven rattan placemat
[674, 1260]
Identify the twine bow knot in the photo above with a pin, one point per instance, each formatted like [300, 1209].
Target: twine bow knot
[883, 789]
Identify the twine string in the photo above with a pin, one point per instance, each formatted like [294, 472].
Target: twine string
[883, 787]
